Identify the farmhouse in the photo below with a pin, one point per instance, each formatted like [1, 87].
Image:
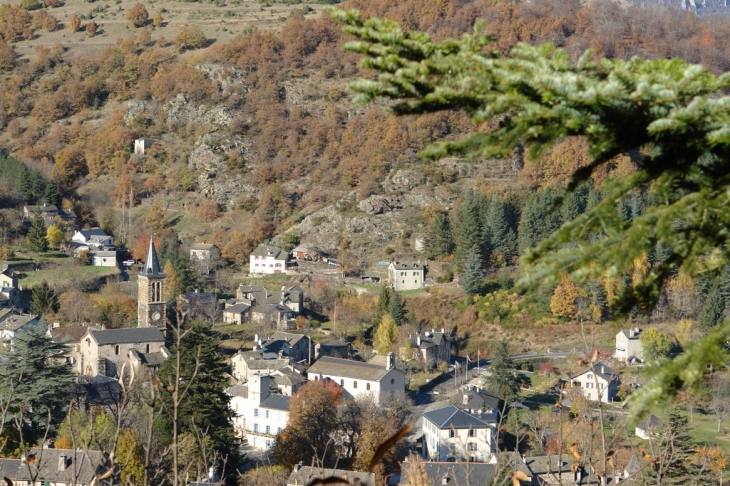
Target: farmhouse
[268, 259]
[430, 347]
[599, 382]
[451, 434]
[406, 275]
[628, 345]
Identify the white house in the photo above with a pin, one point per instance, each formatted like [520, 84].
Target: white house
[92, 237]
[406, 275]
[62, 467]
[628, 345]
[647, 427]
[260, 414]
[358, 379]
[13, 323]
[599, 382]
[245, 364]
[268, 259]
[104, 258]
[452, 434]
[141, 145]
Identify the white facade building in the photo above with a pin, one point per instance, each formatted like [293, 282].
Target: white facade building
[451, 434]
[260, 414]
[599, 382]
[406, 275]
[358, 379]
[628, 345]
[268, 259]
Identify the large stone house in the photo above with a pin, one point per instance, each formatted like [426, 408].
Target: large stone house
[50, 213]
[599, 382]
[300, 346]
[337, 348]
[245, 364]
[71, 336]
[103, 352]
[406, 275]
[204, 256]
[452, 434]
[628, 345]
[64, 467]
[268, 259]
[13, 323]
[293, 297]
[94, 237]
[305, 475]
[480, 403]
[236, 312]
[260, 414]
[358, 379]
[429, 347]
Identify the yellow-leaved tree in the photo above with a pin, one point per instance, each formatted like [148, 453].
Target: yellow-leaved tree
[564, 300]
[386, 334]
[55, 236]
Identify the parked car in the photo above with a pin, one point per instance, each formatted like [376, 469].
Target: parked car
[129, 263]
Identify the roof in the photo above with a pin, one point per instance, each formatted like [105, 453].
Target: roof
[455, 472]
[650, 422]
[601, 370]
[430, 338]
[133, 335]
[9, 468]
[337, 343]
[288, 377]
[452, 417]
[276, 402]
[73, 333]
[303, 475]
[46, 208]
[81, 467]
[274, 345]
[627, 333]
[478, 400]
[407, 265]
[97, 253]
[237, 308]
[272, 251]
[291, 338]
[544, 465]
[152, 264]
[634, 465]
[348, 369]
[15, 322]
[101, 390]
[251, 288]
[203, 246]
[98, 232]
[237, 391]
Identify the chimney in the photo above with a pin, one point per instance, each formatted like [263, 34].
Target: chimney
[256, 338]
[62, 462]
[443, 330]
[466, 399]
[23, 460]
[391, 361]
[418, 341]
[298, 466]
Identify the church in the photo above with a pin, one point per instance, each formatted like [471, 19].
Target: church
[105, 351]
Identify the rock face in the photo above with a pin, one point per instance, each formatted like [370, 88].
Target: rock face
[374, 205]
[180, 111]
[225, 78]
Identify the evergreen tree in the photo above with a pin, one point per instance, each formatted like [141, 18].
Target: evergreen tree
[37, 186]
[473, 274]
[503, 380]
[35, 380]
[37, 233]
[713, 309]
[439, 240]
[676, 466]
[499, 238]
[205, 407]
[43, 299]
[468, 229]
[383, 305]
[537, 221]
[24, 183]
[50, 194]
[185, 275]
[396, 310]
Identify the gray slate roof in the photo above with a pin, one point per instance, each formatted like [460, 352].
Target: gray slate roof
[124, 336]
[452, 417]
[408, 265]
[237, 391]
[98, 232]
[348, 369]
[73, 333]
[455, 473]
[237, 308]
[15, 322]
[306, 474]
[478, 400]
[291, 338]
[285, 376]
[601, 370]
[152, 264]
[650, 422]
[9, 468]
[81, 466]
[271, 251]
[276, 402]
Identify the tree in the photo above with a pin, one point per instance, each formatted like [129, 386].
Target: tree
[144, 38]
[439, 240]
[90, 28]
[675, 465]
[50, 193]
[396, 309]
[205, 406]
[382, 307]
[468, 229]
[386, 334]
[713, 310]
[656, 344]
[190, 37]
[472, 276]
[43, 299]
[312, 422]
[415, 473]
[499, 238]
[37, 234]
[35, 379]
[137, 15]
[55, 236]
[8, 58]
[564, 301]
[155, 217]
[158, 21]
[69, 165]
[503, 380]
[535, 97]
[74, 23]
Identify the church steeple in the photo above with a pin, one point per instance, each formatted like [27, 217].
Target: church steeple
[151, 305]
[152, 264]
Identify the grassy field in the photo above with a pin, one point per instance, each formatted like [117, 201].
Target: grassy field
[63, 275]
[221, 21]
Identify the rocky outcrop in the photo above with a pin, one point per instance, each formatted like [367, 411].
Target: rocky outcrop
[374, 205]
[225, 78]
[180, 111]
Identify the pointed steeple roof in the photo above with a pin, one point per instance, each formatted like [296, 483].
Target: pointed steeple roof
[152, 264]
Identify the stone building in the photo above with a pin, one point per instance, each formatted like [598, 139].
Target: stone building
[103, 352]
[406, 275]
[151, 303]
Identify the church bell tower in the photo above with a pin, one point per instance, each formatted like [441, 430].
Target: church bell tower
[151, 304]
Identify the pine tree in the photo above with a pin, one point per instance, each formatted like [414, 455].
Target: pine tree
[36, 376]
[396, 310]
[676, 466]
[713, 309]
[50, 194]
[502, 380]
[37, 186]
[44, 299]
[383, 305]
[537, 221]
[439, 240]
[24, 184]
[205, 407]
[499, 238]
[473, 275]
[37, 233]
[468, 229]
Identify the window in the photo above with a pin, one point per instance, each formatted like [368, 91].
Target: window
[278, 430]
[267, 414]
[268, 429]
[116, 349]
[415, 274]
[402, 281]
[147, 348]
[392, 380]
[600, 385]
[590, 376]
[342, 382]
[268, 444]
[415, 281]
[255, 427]
[471, 446]
[354, 384]
[472, 433]
[255, 412]
[451, 434]
[367, 387]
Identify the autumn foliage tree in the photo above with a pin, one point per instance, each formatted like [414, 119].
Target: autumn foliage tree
[312, 423]
[564, 300]
[190, 37]
[74, 23]
[137, 15]
[7, 56]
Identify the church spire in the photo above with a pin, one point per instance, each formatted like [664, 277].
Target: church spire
[152, 264]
